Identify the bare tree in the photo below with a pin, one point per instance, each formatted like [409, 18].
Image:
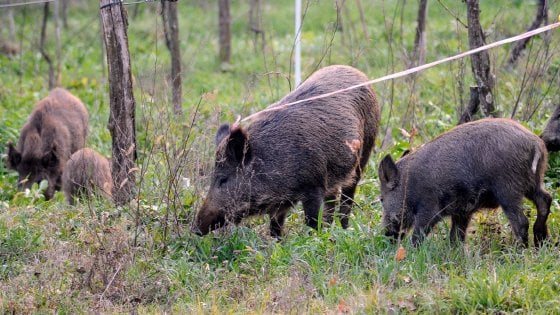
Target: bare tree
[7, 47]
[225, 31]
[171, 30]
[54, 68]
[8, 16]
[541, 16]
[57, 40]
[122, 104]
[362, 19]
[255, 23]
[64, 11]
[481, 94]
[42, 50]
[419, 52]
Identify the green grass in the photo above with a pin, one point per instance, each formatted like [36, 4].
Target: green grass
[94, 257]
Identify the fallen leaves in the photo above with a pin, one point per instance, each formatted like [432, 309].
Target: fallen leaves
[400, 254]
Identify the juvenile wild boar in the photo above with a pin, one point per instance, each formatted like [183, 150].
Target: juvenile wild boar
[482, 164]
[306, 152]
[56, 128]
[86, 174]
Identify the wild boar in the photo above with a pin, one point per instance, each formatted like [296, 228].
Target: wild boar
[86, 174]
[306, 152]
[482, 164]
[56, 128]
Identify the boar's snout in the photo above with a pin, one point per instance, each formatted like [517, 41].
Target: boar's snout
[207, 219]
[197, 231]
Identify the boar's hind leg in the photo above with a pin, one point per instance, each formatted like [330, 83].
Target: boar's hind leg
[518, 220]
[459, 224]
[347, 197]
[542, 201]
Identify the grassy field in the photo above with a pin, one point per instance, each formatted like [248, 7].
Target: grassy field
[95, 257]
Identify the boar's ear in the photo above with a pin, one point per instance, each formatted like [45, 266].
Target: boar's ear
[238, 148]
[50, 160]
[388, 172]
[223, 131]
[14, 157]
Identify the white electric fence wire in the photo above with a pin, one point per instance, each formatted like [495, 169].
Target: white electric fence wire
[411, 70]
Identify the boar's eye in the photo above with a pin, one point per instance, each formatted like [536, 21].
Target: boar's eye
[222, 181]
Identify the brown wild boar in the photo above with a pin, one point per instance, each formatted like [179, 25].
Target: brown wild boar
[306, 152]
[56, 128]
[482, 164]
[86, 174]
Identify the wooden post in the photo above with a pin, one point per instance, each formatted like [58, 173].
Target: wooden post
[480, 63]
[57, 40]
[122, 105]
[419, 53]
[225, 31]
[171, 30]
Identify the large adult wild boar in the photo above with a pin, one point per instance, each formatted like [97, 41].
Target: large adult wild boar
[86, 174]
[305, 152]
[482, 164]
[56, 128]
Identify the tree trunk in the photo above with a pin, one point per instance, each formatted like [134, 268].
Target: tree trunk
[255, 24]
[48, 59]
[57, 40]
[541, 16]
[65, 13]
[551, 133]
[11, 23]
[225, 31]
[472, 108]
[339, 4]
[122, 105]
[480, 63]
[171, 29]
[419, 52]
[362, 20]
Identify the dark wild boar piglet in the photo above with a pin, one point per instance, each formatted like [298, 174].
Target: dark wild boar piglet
[56, 128]
[309, 152]
[482, 164]
[85, 175]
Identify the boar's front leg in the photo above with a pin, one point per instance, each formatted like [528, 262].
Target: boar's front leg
[459, 224]
[424, 221]
[277, 219]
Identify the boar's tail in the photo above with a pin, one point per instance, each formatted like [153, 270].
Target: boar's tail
[536, 159]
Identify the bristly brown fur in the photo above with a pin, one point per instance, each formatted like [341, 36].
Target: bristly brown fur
[86, 174]
[482, 164]
[56, 128]
[309, 152]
